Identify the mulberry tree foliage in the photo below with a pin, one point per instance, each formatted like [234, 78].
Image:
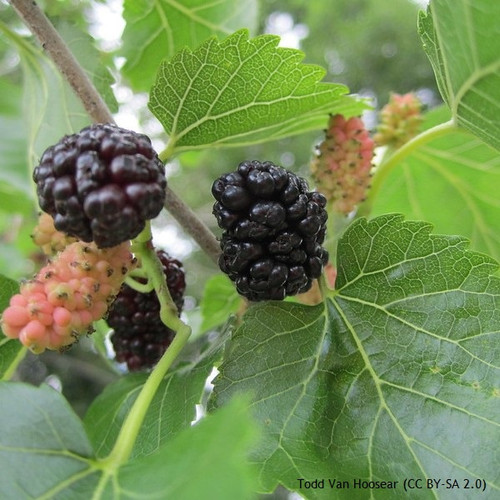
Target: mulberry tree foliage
[393, 373]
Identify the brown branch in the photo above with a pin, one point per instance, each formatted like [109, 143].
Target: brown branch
[69, 67]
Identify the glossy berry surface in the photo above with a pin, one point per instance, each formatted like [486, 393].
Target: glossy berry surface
[139, 337]
[273, 230]
[101, 184]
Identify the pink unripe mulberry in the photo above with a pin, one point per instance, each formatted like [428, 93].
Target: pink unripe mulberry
[400, 119]
[66, 297]
[341, 169]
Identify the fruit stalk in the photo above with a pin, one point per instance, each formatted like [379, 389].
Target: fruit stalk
[130, 429]
[133, 422]
[144, 250]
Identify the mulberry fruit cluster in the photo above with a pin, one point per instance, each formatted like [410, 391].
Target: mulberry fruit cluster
[140, 338]
[48, 238]
[101, 184]
[67, 296]
[400, 119]
[273, 230]
[341, 169]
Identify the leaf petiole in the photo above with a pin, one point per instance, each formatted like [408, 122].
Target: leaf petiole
[137, 286]
[397, 157]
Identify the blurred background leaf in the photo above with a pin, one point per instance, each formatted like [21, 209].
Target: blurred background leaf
[158, 30]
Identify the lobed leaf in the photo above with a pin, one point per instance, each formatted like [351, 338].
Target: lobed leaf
[241, 91]
[461, 40]
[394, 376]
[158, 30]
[450, 181]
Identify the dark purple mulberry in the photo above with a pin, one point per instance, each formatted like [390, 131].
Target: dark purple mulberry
[101, 184]
[140, 338]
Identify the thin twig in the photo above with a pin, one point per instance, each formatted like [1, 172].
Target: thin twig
[57, 49]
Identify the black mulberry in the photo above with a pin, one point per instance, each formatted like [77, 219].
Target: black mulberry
[140, 338]
[273, 230]
[101, 184]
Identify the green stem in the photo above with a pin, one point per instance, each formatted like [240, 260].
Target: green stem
[138, 272]
[168, 151]
[138, 287]
[14, 364]
[130, 429]
[143, 248]
[323, 286]
[397, 157]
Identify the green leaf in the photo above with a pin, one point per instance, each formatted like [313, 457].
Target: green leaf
[11, 350]
[15, 189]
[461, 40]
[43, 448]
[392, 377]
[82, 46]
[242, 91]
[45, 454]
[220, 300]
[158, 30]
[205, 461]
[50, 107]
[450, 181]
[172, 409]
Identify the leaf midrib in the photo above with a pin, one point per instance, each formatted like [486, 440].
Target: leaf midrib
[377, 382]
